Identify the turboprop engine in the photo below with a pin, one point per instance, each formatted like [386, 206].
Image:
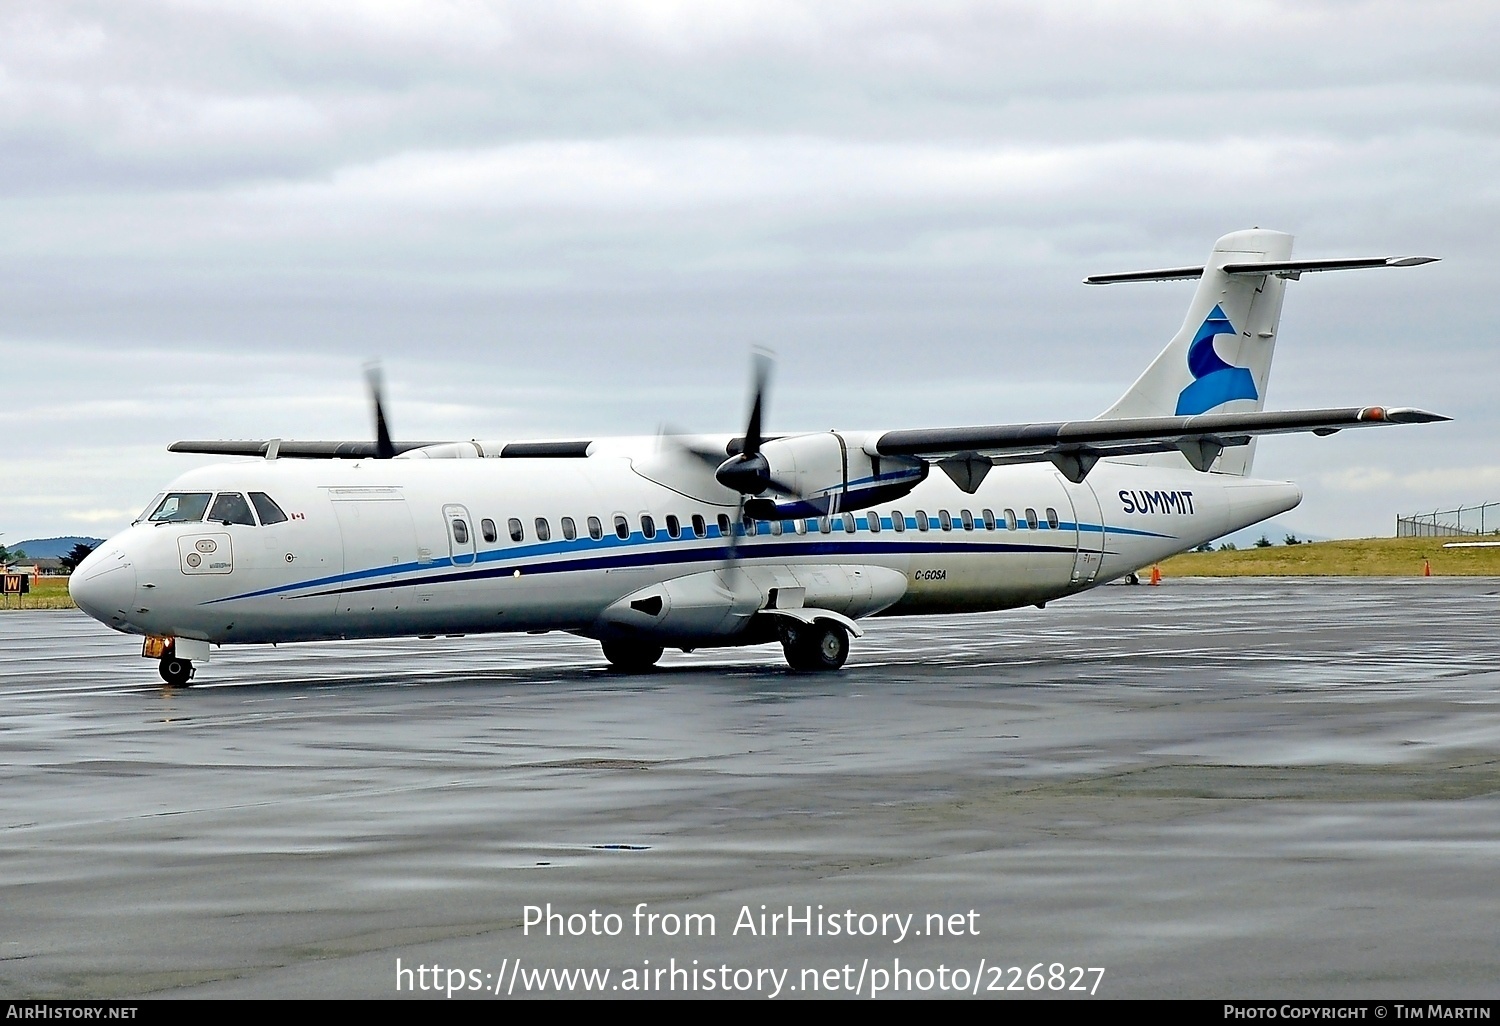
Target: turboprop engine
[818, 475]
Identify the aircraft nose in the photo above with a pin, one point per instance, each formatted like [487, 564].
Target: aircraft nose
[104, 587]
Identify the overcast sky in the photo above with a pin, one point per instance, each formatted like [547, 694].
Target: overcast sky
[576, 218]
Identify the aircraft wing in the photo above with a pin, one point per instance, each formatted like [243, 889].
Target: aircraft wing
[352, 450]
[1075, 446]
[291, 448]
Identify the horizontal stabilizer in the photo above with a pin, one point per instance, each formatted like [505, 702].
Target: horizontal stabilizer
[1280, 268]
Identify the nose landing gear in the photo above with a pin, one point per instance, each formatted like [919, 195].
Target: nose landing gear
[176, 671]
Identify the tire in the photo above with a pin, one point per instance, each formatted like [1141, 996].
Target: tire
[816, 648]
[631, 656]
[176, 672]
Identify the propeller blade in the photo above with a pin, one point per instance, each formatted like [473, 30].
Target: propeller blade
[761, 363]
[748, 472]
[384, 448]
[670, 439]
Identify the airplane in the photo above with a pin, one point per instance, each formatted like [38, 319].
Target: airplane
[702, 541]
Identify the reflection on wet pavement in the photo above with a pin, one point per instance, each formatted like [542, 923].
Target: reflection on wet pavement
[1246, 788]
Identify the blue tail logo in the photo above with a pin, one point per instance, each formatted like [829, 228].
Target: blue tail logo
[1214, 381]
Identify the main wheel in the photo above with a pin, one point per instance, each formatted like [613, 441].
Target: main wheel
[817, 647]
[631, 656]
[176, 672]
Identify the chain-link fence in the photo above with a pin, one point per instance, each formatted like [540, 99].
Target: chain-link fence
[1465, 520]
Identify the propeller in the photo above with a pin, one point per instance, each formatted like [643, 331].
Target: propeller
[384, 448]
[748, 472]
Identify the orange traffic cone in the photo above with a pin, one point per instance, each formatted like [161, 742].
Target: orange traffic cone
[1426, 568]
[1155, 575]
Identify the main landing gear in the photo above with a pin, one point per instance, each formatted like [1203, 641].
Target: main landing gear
[815, 647]
[818, 647]
[175, 671]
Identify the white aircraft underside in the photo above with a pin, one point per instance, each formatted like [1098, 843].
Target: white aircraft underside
[645, 543]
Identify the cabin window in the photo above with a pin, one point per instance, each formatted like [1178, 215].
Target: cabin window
[460, 532]
[487, 528]
[648, 526]
[723, 522]
[1031, 521]
[800, 525]
[1010, 520]
[517, 532]
[823, 525]
[922, 522]
[776, 528]
[622, 528]
[266, 507]
[231, 508]
[872, 521]
[596, 529]
[1052, 520]
[569, 529]
[700, 527]
[989, 519]
[543, 530]
[898, 520]
[944, 520]
[968, 519]
[849, 524]
[674, 527]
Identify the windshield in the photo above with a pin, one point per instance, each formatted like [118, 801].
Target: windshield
[231, 508]
[180, 508]
[150, 506]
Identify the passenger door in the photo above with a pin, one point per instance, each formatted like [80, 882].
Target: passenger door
[460, 527]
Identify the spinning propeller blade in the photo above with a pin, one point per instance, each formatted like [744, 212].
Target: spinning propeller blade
[749, 473]
[384, 448]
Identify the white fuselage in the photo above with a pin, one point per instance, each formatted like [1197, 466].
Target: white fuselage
[380, 548]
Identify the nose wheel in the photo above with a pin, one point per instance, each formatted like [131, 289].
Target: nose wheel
[176, 672]
[815, 647]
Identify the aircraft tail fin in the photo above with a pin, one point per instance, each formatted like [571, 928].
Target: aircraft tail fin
[1220, 359]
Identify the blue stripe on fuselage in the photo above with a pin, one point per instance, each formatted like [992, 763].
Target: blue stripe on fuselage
[518, 558]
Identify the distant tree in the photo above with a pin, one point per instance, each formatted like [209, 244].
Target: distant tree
[10, 557]
[1292, 539]
[1205, 547]
[1228, 547]
[1263, 543]
[77, 554]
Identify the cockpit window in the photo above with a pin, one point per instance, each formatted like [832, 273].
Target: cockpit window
[181, 508]
[270, 513]
[150, 508]
[231, 508]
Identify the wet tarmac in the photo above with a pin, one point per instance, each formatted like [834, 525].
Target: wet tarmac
[1272, 788]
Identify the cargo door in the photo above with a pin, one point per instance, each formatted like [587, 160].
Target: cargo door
[380, 552]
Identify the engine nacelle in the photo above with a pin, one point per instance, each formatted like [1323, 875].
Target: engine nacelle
[818, 475]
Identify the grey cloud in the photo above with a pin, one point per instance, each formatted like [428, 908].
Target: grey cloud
[577, 217]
